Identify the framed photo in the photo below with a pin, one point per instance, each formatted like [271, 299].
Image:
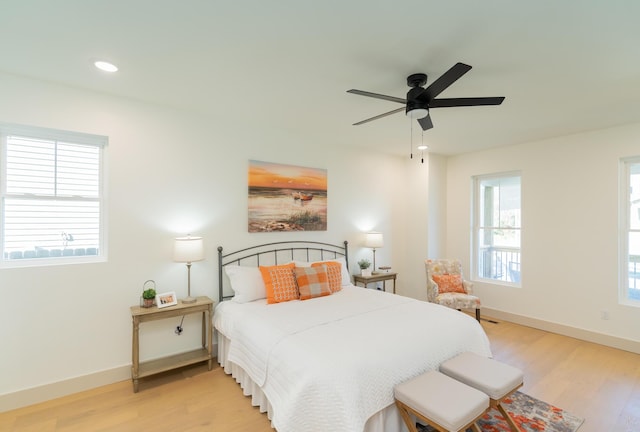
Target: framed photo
[166, 299]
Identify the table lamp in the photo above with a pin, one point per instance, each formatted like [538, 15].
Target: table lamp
[187, 250]
[374, 240]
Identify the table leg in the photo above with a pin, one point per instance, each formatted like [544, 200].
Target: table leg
[204, 330]
[210, 336]
[135, 360]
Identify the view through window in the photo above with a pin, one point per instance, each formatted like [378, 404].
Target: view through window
[630, 268]
[497, 227]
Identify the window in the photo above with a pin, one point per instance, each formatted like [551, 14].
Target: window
[496, 228]
[52, 207]
[630, 232]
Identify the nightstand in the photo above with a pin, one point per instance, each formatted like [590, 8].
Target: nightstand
[378, 277]
[139, 315]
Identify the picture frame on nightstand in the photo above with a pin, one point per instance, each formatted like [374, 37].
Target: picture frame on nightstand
[166, 299]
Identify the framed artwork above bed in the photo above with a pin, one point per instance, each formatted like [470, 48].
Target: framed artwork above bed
[286, 198]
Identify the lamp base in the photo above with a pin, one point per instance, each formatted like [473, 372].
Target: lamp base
[189, 300]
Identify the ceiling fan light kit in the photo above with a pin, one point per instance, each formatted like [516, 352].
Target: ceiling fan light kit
[417, 113]
[420, 100]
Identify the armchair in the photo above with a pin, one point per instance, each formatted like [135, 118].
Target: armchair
[446, 286]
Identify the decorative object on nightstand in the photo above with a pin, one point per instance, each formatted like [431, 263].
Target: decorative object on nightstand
[148, 293]
[188, 250]
[374, 240]
[364, 267]
[166, 299]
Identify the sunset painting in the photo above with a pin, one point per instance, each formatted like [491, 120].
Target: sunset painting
[286, 198]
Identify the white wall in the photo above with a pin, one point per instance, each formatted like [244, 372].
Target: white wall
[570, 228]
[171, 173]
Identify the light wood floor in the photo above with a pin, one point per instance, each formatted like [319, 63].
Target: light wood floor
[598, 383]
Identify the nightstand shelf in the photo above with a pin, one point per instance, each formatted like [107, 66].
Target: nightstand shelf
[171, 362]
[139, 315]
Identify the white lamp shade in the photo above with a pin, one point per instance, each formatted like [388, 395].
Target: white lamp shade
[188, 249]
[374, 240]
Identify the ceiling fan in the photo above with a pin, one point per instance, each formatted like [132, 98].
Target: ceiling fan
[420, 100]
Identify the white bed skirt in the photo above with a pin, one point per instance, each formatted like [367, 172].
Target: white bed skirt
[387, 420]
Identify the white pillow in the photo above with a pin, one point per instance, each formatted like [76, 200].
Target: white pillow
[346, 277]
[246, 283]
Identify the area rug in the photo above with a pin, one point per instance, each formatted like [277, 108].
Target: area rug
[529, 414]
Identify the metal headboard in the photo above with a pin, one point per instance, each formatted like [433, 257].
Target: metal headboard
[284, 250]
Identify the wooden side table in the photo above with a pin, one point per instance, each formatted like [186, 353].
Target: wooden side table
[378, 277]
[139, 315]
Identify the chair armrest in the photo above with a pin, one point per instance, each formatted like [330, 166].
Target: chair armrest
[432, 290]
[468, 286]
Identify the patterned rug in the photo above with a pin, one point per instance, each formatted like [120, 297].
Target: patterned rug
[530, 414]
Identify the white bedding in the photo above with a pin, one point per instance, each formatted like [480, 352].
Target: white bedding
[330, 363]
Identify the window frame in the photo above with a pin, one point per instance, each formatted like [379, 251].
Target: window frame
[625, 229]
[476, 228]
[76, 138]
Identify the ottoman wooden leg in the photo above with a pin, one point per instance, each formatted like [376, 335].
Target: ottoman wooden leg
[411, 425]
[508, 418]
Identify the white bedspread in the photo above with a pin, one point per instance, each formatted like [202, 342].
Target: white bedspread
[329, 363]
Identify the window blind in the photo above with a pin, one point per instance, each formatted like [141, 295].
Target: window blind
[51, 199]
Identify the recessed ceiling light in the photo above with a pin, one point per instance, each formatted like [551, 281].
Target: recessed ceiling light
[422, 147]
[106, 66]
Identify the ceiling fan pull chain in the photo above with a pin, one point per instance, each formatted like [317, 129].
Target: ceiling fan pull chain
[411, 141]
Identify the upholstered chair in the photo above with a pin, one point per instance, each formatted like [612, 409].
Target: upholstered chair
[446, 286]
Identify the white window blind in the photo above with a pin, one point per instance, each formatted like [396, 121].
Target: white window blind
[52, 196]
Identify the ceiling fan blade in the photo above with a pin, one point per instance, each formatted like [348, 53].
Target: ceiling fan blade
[378, 96]
[379, 116]
[445, 80]
[425, 122]
[459, 102]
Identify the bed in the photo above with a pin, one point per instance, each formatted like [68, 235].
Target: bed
[329, 363]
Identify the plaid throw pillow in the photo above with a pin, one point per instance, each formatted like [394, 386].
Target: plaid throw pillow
[334, 274]
[280, 283]
[312, 282]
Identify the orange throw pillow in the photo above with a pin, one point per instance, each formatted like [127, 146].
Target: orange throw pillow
[334, 273]
[449, 283]
[312, 282]
[280, 283]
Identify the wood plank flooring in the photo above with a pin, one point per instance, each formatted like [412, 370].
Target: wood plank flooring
[598, 383]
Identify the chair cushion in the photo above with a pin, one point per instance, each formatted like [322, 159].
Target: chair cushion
[443, 400]
[449, 283]
[490, 376]
[458, 301]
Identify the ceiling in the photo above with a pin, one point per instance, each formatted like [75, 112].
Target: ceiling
[563, 66]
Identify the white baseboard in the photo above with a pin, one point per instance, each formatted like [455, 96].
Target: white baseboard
[58, 389]
[34, 395]
[574, 332]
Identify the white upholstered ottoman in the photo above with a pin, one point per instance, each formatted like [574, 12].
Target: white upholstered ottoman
[440, 401]
[495, 379]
